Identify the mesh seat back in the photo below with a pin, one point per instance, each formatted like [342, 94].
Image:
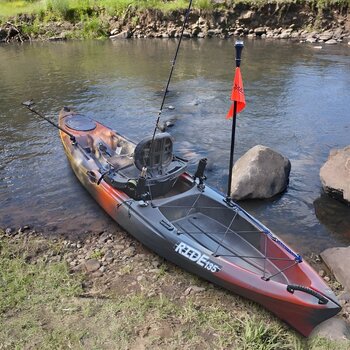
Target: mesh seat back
[154, 157]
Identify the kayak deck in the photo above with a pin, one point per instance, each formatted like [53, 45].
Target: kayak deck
[225, 233]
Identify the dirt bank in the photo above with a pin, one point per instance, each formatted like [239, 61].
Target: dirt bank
[106, 289]
[305, 21]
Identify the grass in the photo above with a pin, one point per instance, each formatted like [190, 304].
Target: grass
[92, 16]
[70, 8]
[42, 307]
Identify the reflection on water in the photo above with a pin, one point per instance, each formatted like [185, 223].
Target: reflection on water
[297, 103]
[335, 216]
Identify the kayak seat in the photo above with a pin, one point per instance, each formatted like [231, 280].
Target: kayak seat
[155, 155]
[163, 168]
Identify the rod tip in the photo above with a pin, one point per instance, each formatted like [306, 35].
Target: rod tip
[28, 103]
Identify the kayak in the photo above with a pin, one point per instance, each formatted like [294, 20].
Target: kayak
[148, 191]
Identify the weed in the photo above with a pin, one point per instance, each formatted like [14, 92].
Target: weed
[97, 254]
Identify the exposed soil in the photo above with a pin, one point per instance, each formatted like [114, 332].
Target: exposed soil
[300, 21]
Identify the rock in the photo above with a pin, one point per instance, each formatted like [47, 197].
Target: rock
[61, 37]
[92, 265]
[8, 231]
[285, 34]
[326, 36]
[109, 257]
[97, 274]
[331, 42]
[114, 31]
[321, 273]
[129, 252]
[334, 328]
[345, 296]
[126, 34]
[247, 15]
[193, 290]
[260, 31]
[103, 238]
[260, 173]
[335, 174]
[3, 34]
[311, 40]
[338, 261]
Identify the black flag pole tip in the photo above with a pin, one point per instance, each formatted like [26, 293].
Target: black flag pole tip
[239, 48]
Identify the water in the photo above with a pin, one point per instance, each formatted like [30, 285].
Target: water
[297, 103]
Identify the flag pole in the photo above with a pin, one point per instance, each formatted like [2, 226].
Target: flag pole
[239, 47]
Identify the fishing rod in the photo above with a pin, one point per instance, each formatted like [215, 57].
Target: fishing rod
[30, 103]
[171, 73]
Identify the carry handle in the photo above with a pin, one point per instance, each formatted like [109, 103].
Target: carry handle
[321, 299]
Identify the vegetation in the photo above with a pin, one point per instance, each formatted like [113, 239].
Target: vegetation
[91, 18]
[45, 306]
[69, 9]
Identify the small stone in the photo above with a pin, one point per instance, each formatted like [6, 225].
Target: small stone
[102, 269]
[344, 296]
[171, 108]
[326, 278]
[109, 258]
[92, 265]
[123, 35]
[8, 231]
[193, 290]
[321, 273]
[331, 42]
[129, 252]
[139, 278]
[97, 274]
[103, 238]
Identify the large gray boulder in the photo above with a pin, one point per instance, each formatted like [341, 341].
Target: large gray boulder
[335, 328]
[260, 173]
[335, 174]
[338, 261]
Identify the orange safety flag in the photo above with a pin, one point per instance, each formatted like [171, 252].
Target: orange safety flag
[237, 94]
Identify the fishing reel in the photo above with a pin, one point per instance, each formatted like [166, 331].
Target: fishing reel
[138, 186]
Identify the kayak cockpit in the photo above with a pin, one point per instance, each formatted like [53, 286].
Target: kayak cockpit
[229, 233]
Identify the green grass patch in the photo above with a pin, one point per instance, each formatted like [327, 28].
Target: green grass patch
[24, 284]
[76, 10]
[41, 308]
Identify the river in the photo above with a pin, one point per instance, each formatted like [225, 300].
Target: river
[297, 103]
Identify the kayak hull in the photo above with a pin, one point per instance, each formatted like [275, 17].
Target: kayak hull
[162, 226]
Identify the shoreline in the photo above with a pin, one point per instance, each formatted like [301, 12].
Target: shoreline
[111, 271]
[301, 21]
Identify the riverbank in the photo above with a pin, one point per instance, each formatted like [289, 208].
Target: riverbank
[311, 21]
[107, 289]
